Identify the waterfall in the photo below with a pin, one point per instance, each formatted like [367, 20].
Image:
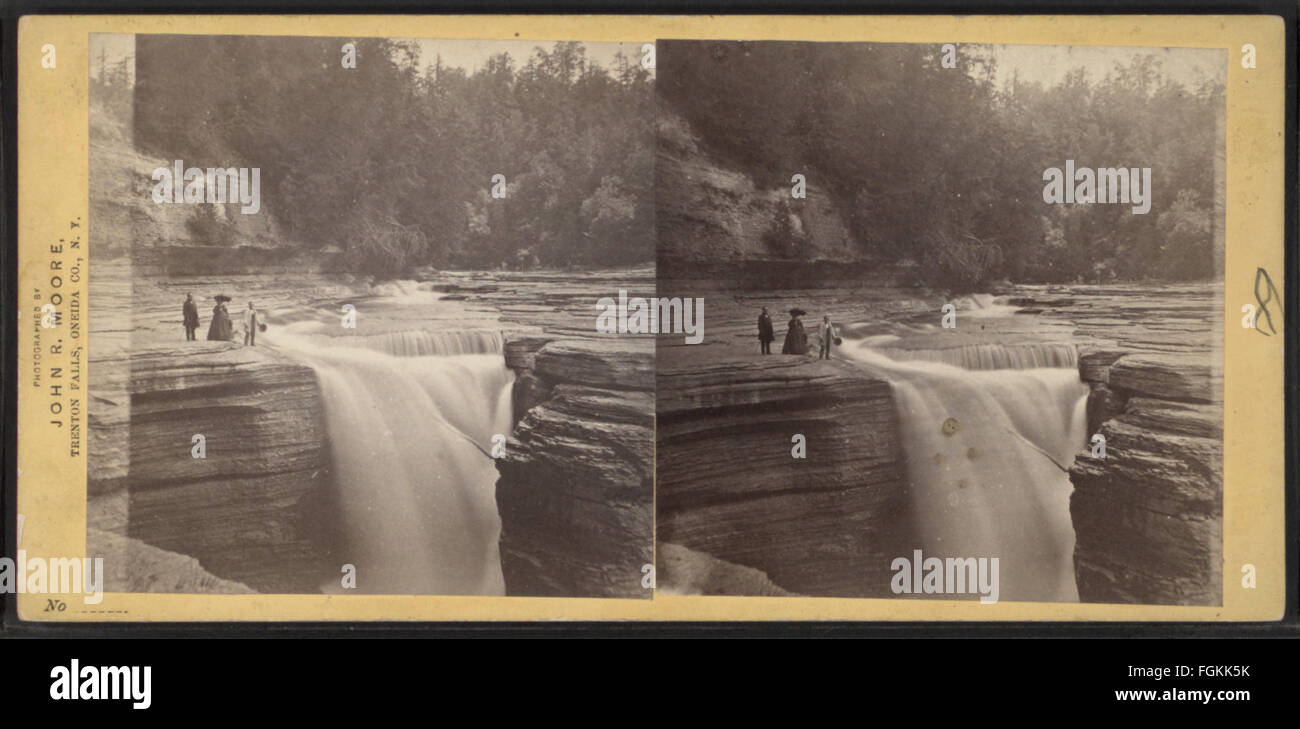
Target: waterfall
[410, 418]
[984, 306]
[987, 448]
[976, 301]
[993, 356]
[419, 343]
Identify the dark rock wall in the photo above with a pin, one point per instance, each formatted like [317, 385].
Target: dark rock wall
[1148, 518]
[706, 211]
[576, 491]
[732, 489]
[251, 511]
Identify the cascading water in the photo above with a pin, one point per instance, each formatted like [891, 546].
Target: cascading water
[411, 416]
[993, 356]
[419, 343]
[989, 433]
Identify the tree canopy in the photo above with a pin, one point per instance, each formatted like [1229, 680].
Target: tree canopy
[943, 167]
[393, 161]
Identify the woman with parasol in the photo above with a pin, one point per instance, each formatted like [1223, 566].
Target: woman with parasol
[220, 329]
[796, 339]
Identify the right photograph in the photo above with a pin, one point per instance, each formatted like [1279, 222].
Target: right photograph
[962, 321]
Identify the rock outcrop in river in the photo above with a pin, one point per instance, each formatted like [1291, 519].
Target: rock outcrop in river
[576, 492]
[1149, 516]
[576, 487]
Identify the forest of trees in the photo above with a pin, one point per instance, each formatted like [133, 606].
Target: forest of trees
[393, 161]
[943, 167]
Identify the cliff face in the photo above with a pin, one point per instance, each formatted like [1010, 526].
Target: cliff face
[162, 239]
[576, 492]
[1148, 517]
[576, 486]
[705, 211]
[250, 510]
[726, 468]
[243, 517]
[126, 218]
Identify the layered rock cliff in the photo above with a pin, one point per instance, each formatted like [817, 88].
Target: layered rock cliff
[730, 486]
[129, 222]
[253, 509]
[1148, 517]
[576, 491]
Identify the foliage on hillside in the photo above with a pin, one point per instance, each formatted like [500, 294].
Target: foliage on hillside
[943, 168]
[393, 161]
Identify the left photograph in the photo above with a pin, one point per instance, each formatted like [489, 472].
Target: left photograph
[343, 297]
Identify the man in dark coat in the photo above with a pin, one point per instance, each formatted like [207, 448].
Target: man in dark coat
[765, 334]
[191, 314]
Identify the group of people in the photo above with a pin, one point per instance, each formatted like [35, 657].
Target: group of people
[796, 338]
[221, 329]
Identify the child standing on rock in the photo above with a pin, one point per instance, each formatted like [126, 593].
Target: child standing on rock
[250, 325]
[828, 338]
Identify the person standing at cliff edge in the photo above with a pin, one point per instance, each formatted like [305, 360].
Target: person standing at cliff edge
[827, 331]
[220, 330]
[250, 325]
[191, 313]
[796, 339]
[765, 334]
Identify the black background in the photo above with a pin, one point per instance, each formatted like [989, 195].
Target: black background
[982, 672]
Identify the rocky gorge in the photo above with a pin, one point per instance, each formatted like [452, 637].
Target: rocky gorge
[212, 465]
[738, 515]
[257, 511]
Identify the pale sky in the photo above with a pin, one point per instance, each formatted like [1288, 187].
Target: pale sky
[472, 55]
[1049, 64]
[114, 47]
[1045, 64]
